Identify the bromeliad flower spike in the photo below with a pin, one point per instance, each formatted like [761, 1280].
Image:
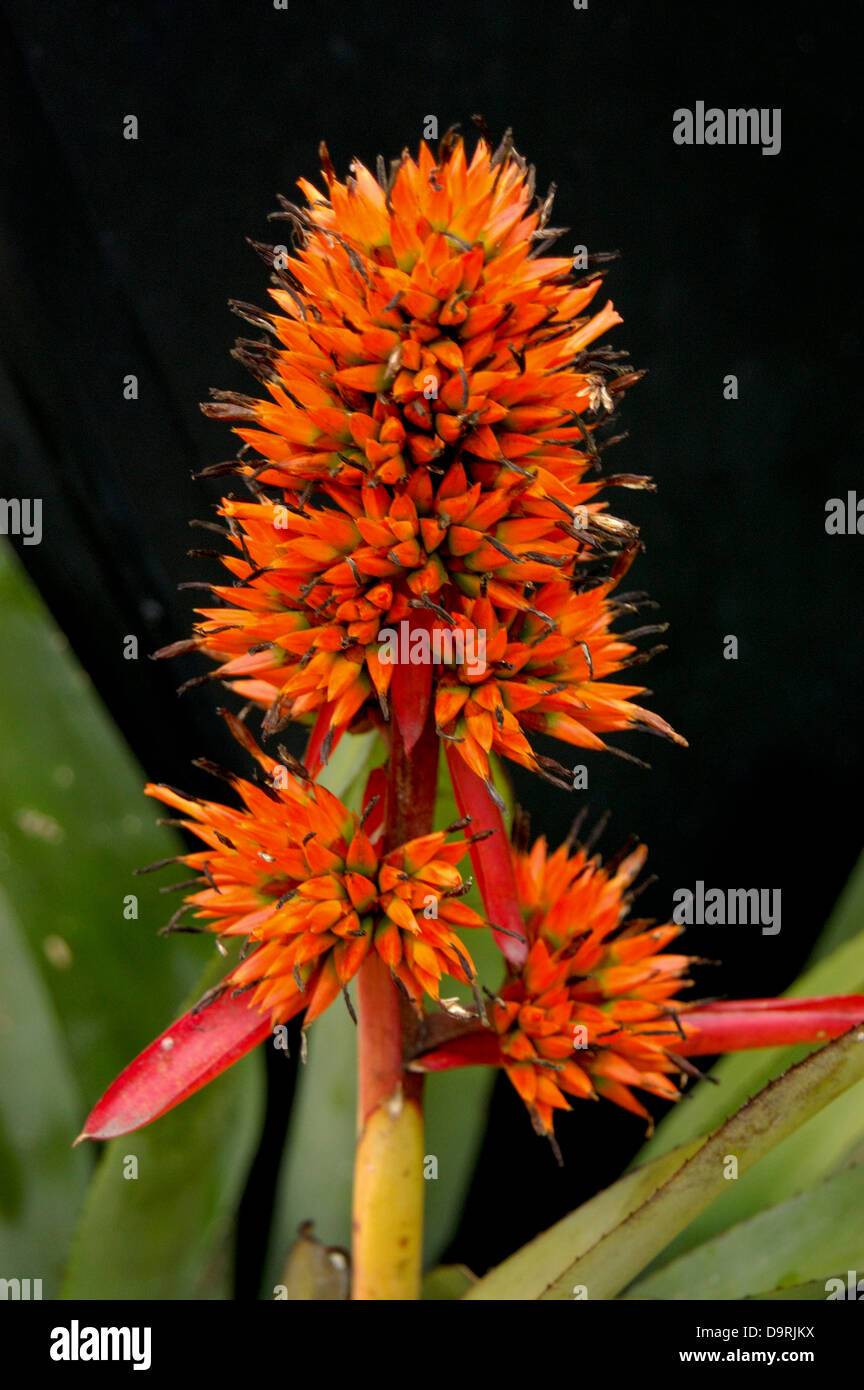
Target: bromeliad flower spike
[432, 430]
[427, 459]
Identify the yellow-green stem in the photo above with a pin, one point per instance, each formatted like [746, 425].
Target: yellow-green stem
[388, 1172]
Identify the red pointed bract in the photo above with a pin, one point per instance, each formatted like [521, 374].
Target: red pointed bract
[480, 1048]
[375, 802]
[323, 726]
[491, 858]
[194, 1050]
[411, 686]
[739, 1024]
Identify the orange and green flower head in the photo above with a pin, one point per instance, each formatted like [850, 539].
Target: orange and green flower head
[433, 403]
[592, 1012]
[297, 876]
[320, 586]
[505, 672]
[417, 321]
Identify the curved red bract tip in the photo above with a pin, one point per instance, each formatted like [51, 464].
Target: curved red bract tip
[491, 858]
[184, 1058]
[411, 686]
[738, 1024]
[323, 727]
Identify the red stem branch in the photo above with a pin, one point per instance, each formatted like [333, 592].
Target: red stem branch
[388, 1189]
[385, 1017]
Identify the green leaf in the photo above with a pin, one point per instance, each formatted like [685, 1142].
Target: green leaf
[42, 1182]
[625, 1249]
[74, 826]
[528, 1273]
[159, 1212]
[817, 1147]
[785, 1246]
[741, 1075]
[87, 984]
[317, 1166]
[810, 1152]
[162, 1233]
[757, 1128]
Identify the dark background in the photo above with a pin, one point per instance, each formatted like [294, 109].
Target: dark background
[119, 256]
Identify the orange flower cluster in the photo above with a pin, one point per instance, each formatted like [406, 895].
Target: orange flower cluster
[592, 1012]
[432, 398]
[296, 874]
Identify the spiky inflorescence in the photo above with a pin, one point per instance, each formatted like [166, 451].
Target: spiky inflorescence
[592, 1012]
[433, 397]
[296, 874]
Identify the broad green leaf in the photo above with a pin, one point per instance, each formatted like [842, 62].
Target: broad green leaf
[818, 1146]
[97, 983]
[847, 916]
[160, 1207]
[42, 1181]
[758, 1127]
[165, 1232]
[74, 825]
[528, 1273]
[784, 1246]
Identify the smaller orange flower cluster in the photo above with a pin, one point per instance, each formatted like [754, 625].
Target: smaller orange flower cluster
[295, 873]
[543, 674]
[592, 1012]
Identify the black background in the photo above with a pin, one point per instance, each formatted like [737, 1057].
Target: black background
[119, 256]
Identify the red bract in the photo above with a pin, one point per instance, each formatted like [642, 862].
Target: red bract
[737, 1024]
[198, 1047]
